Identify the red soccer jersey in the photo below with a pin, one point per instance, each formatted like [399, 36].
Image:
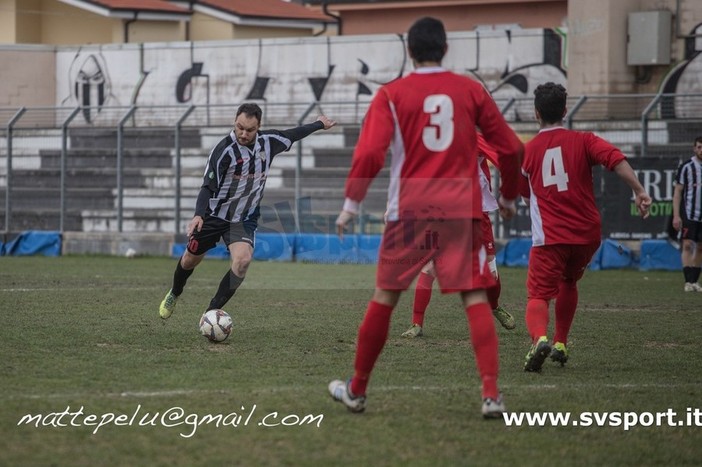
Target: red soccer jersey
[428, 120]
[558, 164]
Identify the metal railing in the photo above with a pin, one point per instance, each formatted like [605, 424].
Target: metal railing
[638, 123]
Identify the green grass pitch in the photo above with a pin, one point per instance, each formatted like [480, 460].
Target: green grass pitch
[84, 332]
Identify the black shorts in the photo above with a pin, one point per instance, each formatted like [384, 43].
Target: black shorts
[214, 228]
[691, 230]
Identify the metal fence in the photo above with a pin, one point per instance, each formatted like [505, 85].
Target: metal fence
[139, 168]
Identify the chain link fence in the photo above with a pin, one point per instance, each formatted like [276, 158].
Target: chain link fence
[139, 169]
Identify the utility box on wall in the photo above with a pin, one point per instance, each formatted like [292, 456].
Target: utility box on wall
[649, 38]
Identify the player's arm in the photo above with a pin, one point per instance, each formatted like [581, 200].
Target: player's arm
[600, 151]
[203, 199]
[524, 188]
[300, 132]
[677, 198]
[210, 183]
[505, 142]
[368, 157]
[626, 173]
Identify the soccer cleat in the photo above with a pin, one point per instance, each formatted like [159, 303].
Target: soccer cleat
[493, 408]
[689, 287]
[537, 354]
[559, 353]
[414, 331]
[696, 287]
[168, 305]
[504, 317]
[341, 392]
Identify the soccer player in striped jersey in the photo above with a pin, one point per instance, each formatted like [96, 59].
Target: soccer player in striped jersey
[423, 289]
[228, 205]
[688, 189]
[565, 221]
[428, 120]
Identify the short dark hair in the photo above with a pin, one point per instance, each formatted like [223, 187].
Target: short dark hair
[698, 140]
[252, 110]
[550, 101]
[426, 40]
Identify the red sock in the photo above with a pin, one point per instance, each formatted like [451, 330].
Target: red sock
[422, 296]
[537, 318]
[493, 294]
[372, 335]
[484, 340]
[566, 303]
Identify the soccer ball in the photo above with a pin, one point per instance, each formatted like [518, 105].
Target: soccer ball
[216, 325]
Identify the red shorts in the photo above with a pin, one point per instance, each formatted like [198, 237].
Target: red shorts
[488, 238]
[551, 264]
[455, 246]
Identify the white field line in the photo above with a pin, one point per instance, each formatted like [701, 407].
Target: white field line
[378, 389]
[54, 289]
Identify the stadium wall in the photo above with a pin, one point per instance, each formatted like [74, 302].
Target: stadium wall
[28, 76]
[511, 62]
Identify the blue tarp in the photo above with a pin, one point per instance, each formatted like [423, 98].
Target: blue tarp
[220, 251]
[323, 248]
[363, 249]
[274, 247]
[610, 255]
[269, 247]
[33, 242]
[314, 248]
[659, 254]
[515, 253]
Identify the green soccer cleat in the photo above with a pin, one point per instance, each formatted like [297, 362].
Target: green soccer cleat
[537, 354]
[504, 317]
[559, 353]
[414, 331]
[168, 305]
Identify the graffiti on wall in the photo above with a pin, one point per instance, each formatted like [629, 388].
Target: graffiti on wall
[510, 63]
[88, 83]
[684, 78]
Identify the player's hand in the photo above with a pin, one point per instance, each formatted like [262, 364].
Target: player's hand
[677, 223]
[344, 218]
[643, 203]
[195, 225]
[508, 208]
[328, 123]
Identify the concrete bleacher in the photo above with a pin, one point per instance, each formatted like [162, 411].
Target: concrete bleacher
[91, 181]
[149, 180]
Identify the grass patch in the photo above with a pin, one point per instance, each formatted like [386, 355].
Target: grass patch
[84, 332]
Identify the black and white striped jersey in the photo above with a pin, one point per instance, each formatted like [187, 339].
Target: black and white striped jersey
[236, 175]
[690, 176]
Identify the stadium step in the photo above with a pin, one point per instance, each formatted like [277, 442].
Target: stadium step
[329, 177]
[137, 138]
[107, 158]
